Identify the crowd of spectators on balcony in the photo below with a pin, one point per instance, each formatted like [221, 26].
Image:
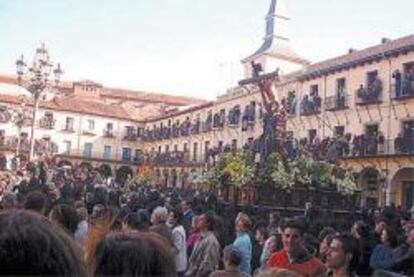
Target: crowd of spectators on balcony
[404, 82]
[289, 103]
[249, 116]
[169, 158]
[234, 116]
[404, 144]
[311, 103]
[371, 93]
[47, 121]
[5, 115]
[219, 119]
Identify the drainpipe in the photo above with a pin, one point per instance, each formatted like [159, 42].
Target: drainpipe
[387, 185]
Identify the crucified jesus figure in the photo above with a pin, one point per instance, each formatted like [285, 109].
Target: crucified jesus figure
[274, 127]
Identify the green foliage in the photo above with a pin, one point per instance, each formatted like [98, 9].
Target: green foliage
[232, 168]
[146, 176]
[305, 171]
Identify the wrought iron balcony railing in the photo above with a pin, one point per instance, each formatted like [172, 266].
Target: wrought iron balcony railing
[47, 123]
[367, 96]
[336, 102]
[402, 91]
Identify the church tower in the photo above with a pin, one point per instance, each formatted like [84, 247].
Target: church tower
[276, 51]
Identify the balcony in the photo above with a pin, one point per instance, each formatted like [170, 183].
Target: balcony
[130, 137]
[175, 158]
[403, 90]
[195, 128]
[11, 143]
[337, 102]
[108, 133]
[185, 128]
[289, 104]
[47, 122]
[5, 116]
[369, 95]
[99, 156]
[68, 129]
[233, 118]
[310, 105]
[88, 133]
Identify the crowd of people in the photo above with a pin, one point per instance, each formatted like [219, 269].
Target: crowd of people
[70, 221]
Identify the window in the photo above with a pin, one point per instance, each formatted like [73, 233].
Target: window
[91, 124]
[107, 152]
[195, 149]
[87, 150]
[69, 123]
[339, 131]
[340, 86]
[408, 67]
[159, 149]
[314, 89]
[371, 77]
[67, 146]
[167, 148]
[175, 147]
[126, 154]
[206, 148]
[312, 135]
[408, 128]
[234, 144]
[371, 130]
[185, 147]
[220, 145]
[109, 127]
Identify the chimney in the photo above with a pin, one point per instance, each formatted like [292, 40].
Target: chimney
[385, 40]
[351, 50]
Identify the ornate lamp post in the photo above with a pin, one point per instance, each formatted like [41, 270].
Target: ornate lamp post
[36, 81]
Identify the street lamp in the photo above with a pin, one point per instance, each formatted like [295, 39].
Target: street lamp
[36, 80]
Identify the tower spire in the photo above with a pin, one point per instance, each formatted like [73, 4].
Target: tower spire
[276, 44]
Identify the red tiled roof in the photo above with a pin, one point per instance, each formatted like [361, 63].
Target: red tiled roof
[76, 105]
[386, 49]
[189, 110]
[123, 94]
[151, 97]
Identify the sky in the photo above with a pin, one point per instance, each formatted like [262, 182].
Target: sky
[184, 47]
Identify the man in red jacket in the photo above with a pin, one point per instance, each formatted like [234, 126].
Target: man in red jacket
[294, 256]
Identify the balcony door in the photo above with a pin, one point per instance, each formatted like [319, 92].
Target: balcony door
[87, 150]
[408, 194]
[107, 152]
[126, 154]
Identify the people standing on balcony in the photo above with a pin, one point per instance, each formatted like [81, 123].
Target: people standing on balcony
[375, 88]
[398, 82]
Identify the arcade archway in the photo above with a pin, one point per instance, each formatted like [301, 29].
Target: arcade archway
[105, 170]
[371, 187]
[122, 173]
[402, 186]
